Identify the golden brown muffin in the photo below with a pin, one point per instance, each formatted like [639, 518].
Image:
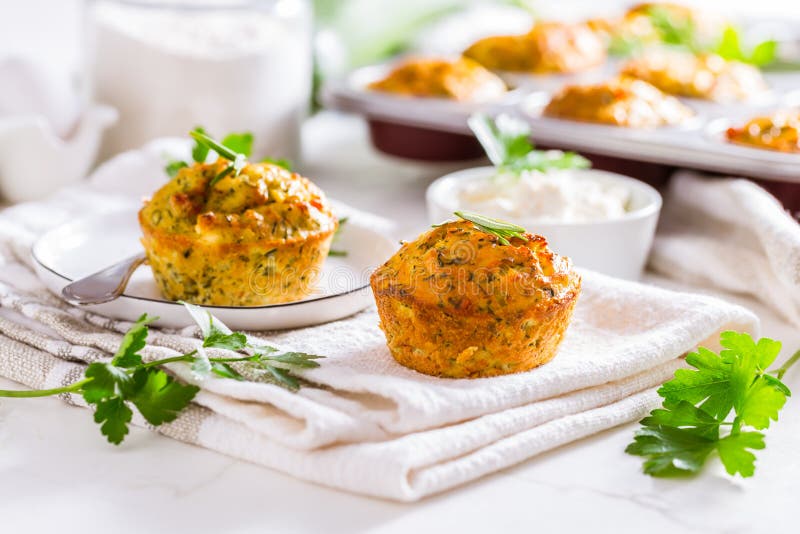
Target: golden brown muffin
[550, 47]
[463, 80]
[780, 131]
[248, 240]
[638, 22]
[621, 101]
[706, 76]
[457, 303]
[638, 19]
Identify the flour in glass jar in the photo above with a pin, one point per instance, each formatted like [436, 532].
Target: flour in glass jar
[168, 66]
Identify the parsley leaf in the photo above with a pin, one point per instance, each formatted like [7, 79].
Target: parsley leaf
[174, 166]
[261, 361]
[107, 381]
[110, 386]
[158, 397]
[134, 340]
[677, 31]
[681, 32]
[113, 416]
[506, 142]
[730, 47]
[734, 453]
[199, 150]
[670, 450]
[283, 377]
[708, 383]
[299, 359]
[225, 370]
[239, 142]
[678, 438]
[216, 338]
[235, 147]
[285, 163]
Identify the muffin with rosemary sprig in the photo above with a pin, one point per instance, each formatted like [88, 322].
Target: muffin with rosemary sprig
[475, 297]
[233, 233]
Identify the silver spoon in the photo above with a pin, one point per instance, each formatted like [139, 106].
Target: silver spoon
[105, 285]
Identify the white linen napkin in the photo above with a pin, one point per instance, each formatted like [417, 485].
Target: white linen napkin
[731, 234]
[367, 424]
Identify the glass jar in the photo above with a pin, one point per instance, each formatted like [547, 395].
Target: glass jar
[226, 65]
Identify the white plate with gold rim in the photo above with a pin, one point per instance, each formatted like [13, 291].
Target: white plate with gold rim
[85, 246]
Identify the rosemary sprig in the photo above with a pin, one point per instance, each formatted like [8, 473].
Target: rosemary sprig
[237, 160]
[501, 229]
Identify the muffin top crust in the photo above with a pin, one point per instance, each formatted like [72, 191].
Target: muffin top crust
[550, 47]
[462, 79]
[622, 101]
[462, 270]
[779, 131]
[264, 202]
[705, 75]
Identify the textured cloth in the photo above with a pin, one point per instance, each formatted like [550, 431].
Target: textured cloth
[364, 423]
[730, 234]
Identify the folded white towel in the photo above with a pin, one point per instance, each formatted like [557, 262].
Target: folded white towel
[730, 234]
[367, 424]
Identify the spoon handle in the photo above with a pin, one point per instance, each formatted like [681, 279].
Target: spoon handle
[105, 285]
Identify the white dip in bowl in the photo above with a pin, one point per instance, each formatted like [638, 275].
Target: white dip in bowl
[602, 220]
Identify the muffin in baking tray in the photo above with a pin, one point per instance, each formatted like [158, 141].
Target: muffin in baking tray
[642, 22]
[779, 131]
[461, 302]
[549, 48]
[621, 101]
[461, 79]
[248, 240]
[706, 76]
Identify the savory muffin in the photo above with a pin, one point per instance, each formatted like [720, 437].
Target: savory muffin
[462, 79]
[621, 101]
[780, 131]
[549, 48]
[644, 23]
[706, 76]
[248, 240]
[459, 303]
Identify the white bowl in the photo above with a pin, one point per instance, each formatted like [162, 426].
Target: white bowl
[617, 247]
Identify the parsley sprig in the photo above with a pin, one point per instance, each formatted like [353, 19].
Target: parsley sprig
[236, 160]
[112, 388]
[761, 54]
[263, 362]
[501, 229]
[720, 405]
[234, 146]
[681, 32]
[506, 142]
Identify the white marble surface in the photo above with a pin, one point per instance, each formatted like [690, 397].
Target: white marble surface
[57, 474]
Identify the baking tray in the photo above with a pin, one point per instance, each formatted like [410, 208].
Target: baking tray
[436, 129]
